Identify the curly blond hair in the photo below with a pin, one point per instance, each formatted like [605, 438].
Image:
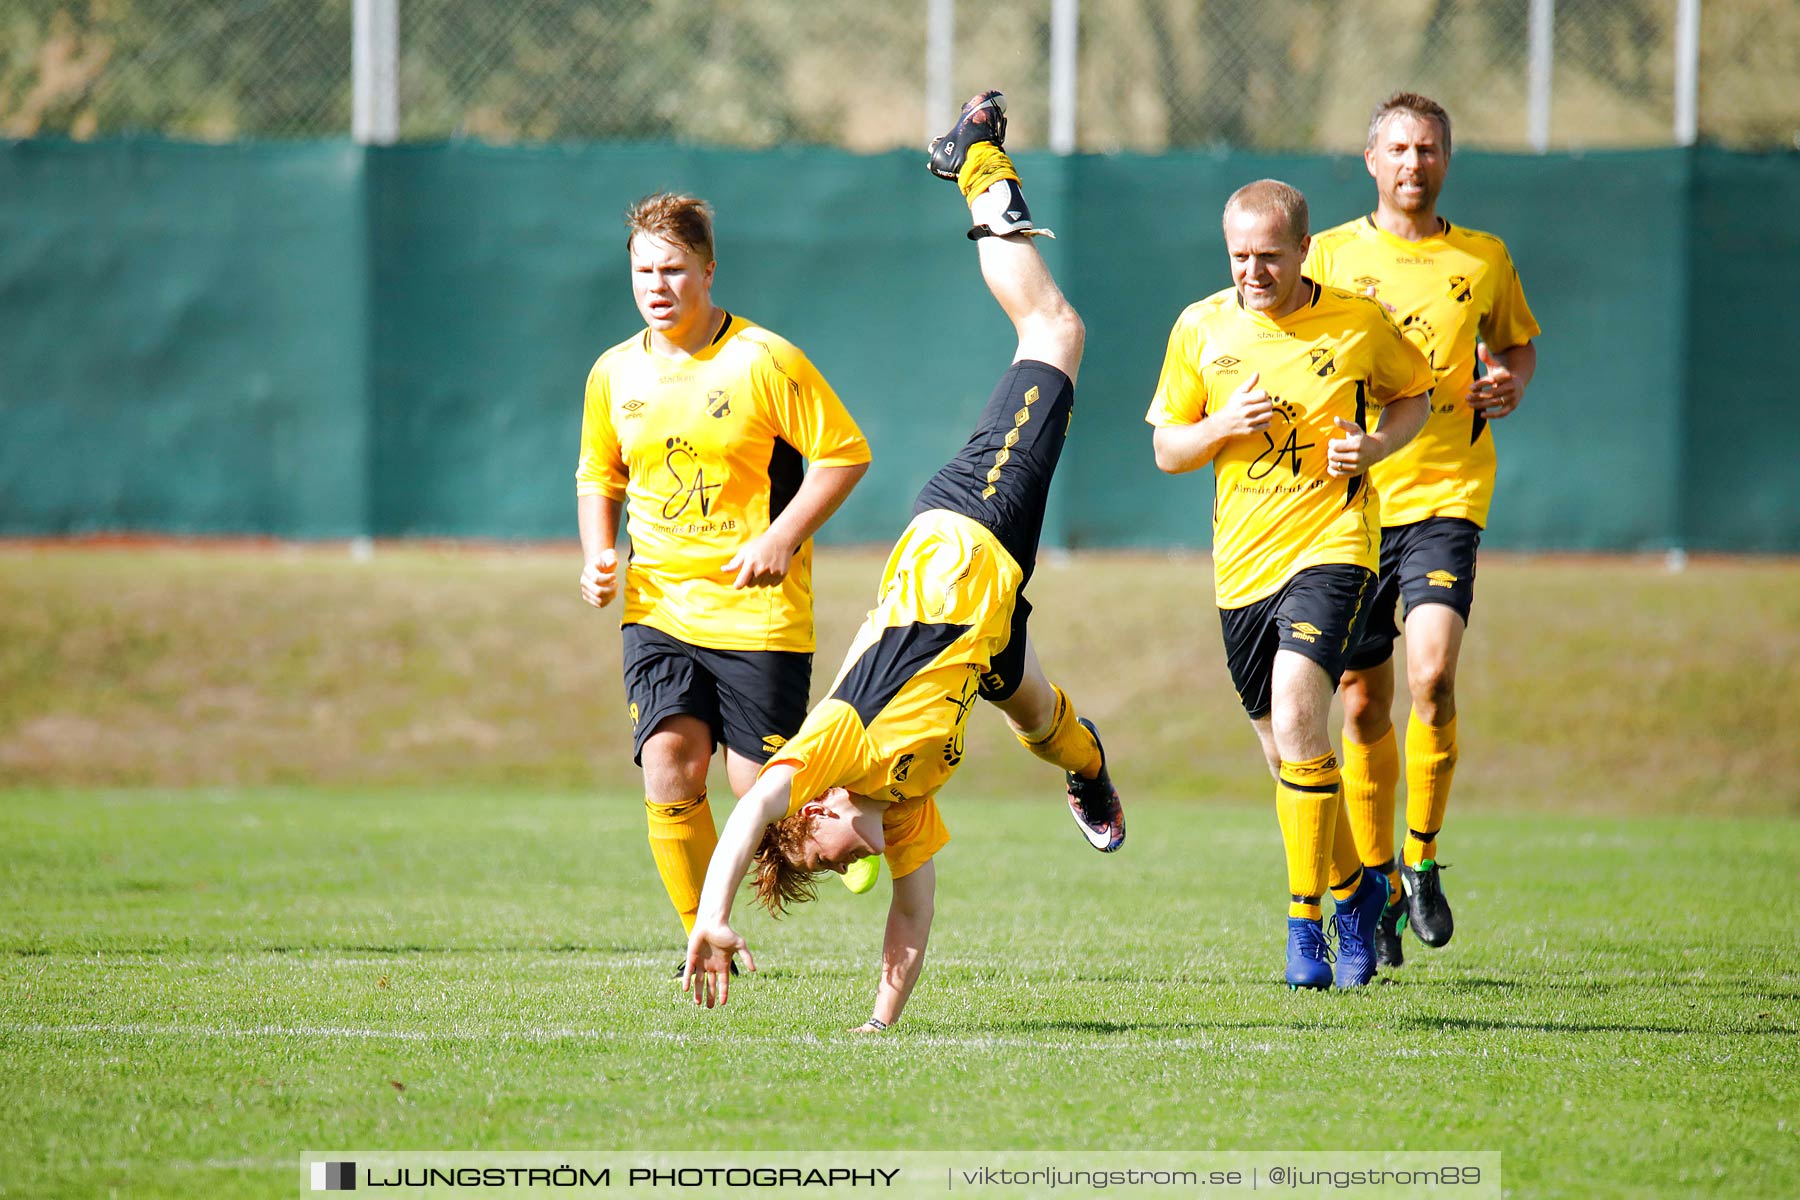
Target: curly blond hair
[780, 881]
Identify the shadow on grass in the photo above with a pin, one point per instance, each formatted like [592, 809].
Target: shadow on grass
[1484, 1025]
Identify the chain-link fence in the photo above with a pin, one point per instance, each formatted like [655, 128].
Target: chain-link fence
[1151, 74]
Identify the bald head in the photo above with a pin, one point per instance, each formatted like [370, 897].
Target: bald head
[1271, 198]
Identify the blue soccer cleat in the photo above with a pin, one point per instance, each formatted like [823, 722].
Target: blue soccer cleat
[1308, 954]
[1355, 923]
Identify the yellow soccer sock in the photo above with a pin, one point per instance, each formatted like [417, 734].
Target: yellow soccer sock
[1371, 777]
[985, 165]
[1346, 860]
[1430, 766]
[682, 838]
[1307, 799]
[1068, 744]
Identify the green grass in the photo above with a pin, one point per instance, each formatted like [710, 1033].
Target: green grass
[1603, 685]
[197, 985]
[308, 853]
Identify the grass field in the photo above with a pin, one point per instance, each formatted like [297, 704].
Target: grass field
[306, 853]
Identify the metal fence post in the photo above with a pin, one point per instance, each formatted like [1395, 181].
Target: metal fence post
[940, 61]
[375, 68]
[1687, 72]
[1539, 33]
[1065, 39]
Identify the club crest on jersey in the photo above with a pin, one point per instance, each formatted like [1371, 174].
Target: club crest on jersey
[1324, 361]
[1459, 288]
[902, 768]
[718, 404]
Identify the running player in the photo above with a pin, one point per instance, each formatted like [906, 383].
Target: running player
[1273, 381]
[700, 425]
[1456, 295]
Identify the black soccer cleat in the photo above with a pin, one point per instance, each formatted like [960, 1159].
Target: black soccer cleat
[1094, 803]
[1426, 909]
[983, 119]
[1388, 951]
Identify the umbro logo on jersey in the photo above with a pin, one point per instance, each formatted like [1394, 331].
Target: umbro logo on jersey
[1441, 579]
[632, 408]
[1366, 281]
[1304, 631]
[718, 404]
[1227, 365]
[1459, 288]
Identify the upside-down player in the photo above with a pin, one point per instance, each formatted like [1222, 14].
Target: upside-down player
[1273, 381]
[1446, 285]
[949, 627]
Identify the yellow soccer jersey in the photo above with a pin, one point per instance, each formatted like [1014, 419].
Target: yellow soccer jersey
[1276, 510]
[892, 727]
[1444, 289]
[706, 452]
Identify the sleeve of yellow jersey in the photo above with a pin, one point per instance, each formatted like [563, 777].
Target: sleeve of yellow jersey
[808, 414]
[1509, 323]
[600, 471]
[1180, 393]
[830, 750]
[914, 831]
[1400, 368]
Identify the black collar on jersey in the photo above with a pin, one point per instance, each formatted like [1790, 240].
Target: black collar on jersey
[1443, 223]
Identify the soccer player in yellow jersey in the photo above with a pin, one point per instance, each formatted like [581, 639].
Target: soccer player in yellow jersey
[699, 426]
[1276, 382]
[1456, 295]
[949, 626]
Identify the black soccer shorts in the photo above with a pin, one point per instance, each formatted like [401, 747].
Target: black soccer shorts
[1427, 562]
[752, 700]
[1001, 476]
[1318, 614]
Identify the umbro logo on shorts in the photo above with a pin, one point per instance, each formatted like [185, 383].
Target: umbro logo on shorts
[1305, 631]
[1441, 579]
[774, 742]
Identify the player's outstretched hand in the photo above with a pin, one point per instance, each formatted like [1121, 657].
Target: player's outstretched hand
[1248, 409]
[708, 971]
[762, 561]
[1351, 454]
[1498, 393]
[600, 579]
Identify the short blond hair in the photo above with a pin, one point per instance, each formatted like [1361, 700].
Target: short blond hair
[1423, 107]
[686, 221]
[1271, 196]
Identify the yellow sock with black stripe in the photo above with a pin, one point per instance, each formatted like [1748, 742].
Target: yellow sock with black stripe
[682, 838]
[1307, 799]
[1346, 859]
[1371, 778]
[985, 165]
[1068, 744]
[1430, 766]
